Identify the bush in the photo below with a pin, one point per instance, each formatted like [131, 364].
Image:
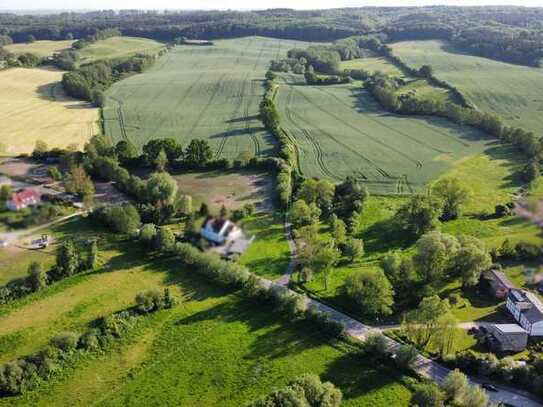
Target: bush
[527, 251]
[405, 356]
[66, 341]
[375, 345]
[326, 325]
[149, 301]
[427, 395]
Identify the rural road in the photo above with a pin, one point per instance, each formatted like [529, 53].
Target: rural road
[13, 237]
[422, 365]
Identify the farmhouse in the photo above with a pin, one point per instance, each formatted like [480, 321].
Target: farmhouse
[527, 311]
[507, 338]
[499, 284]
[220, 230]
[23, 198]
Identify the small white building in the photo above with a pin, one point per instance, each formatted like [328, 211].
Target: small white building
[220, 230]
[527, 310]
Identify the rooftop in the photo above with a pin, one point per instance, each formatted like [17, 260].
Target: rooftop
[510, 328]
[502, 278]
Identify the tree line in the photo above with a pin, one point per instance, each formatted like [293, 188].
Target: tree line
[90, 81]
[511, 34]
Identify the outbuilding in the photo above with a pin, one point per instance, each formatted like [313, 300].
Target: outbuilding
[527, 310]
[507, 338]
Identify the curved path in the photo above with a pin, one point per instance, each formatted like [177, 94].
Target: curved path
[422, 365]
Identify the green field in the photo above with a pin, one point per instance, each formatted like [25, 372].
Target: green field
[372, 65]
[341, 131]
[514, 92]
[207, 92]
[212, 349]
[493, 179]
[116, 47]
[40, 48]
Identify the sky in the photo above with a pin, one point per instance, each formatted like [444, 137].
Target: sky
[238, 4]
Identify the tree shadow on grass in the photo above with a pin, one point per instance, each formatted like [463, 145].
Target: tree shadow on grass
[512, 160]
[386, 235]
[273, 336]
[357, 377]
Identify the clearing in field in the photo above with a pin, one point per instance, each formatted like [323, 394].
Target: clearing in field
[206, 92]
[40, 48]
[341, 131]
[116, 47]
[372, 65]
[513, 92]
[231, 189]
[34, 107]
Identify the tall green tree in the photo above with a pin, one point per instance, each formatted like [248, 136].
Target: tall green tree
[198, 152]
[419, 215]
[433, 254]
[37, 278]
[453, 194]
[370, 291]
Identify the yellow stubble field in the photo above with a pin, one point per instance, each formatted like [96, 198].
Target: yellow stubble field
[33, 106]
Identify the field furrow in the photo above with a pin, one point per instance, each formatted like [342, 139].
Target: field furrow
[341, 131]
[210, 92]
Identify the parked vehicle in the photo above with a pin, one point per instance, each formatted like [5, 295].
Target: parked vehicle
[489, 387]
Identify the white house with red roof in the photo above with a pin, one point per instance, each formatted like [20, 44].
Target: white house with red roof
[23, 198]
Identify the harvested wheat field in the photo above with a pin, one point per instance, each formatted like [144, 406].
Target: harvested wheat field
[34, 107]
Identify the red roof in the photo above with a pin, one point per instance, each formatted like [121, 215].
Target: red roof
[24, 196]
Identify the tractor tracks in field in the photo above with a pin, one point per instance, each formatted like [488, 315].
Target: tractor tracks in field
[317, 149]
[378, 169]
[386, 126]
[216, 88]
[363, 133]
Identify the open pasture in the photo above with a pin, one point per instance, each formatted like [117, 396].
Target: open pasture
[372, 65]
[40, 48]
[512, 91]
[212, 349]
[34, 107]
[116, 47]
[206, 92]
[341, 131]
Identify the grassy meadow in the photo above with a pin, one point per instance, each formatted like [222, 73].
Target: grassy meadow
[116, 47]
[513, 92]
[34, 107]
[212, 349]
[341, 131]
[208, 92]
[40, 48]
[372, 65]
[493, 179]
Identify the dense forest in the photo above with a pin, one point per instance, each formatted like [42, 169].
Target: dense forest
[512, 34]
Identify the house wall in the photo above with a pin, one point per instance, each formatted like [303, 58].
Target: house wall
[537, 329]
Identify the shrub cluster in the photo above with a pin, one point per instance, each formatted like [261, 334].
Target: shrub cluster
[306, 390]
[313, 79]
[528, 376]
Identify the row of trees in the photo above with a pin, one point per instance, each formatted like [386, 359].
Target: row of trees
[28, 372]
[71, 258]
[90, 81]
[385, 90]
